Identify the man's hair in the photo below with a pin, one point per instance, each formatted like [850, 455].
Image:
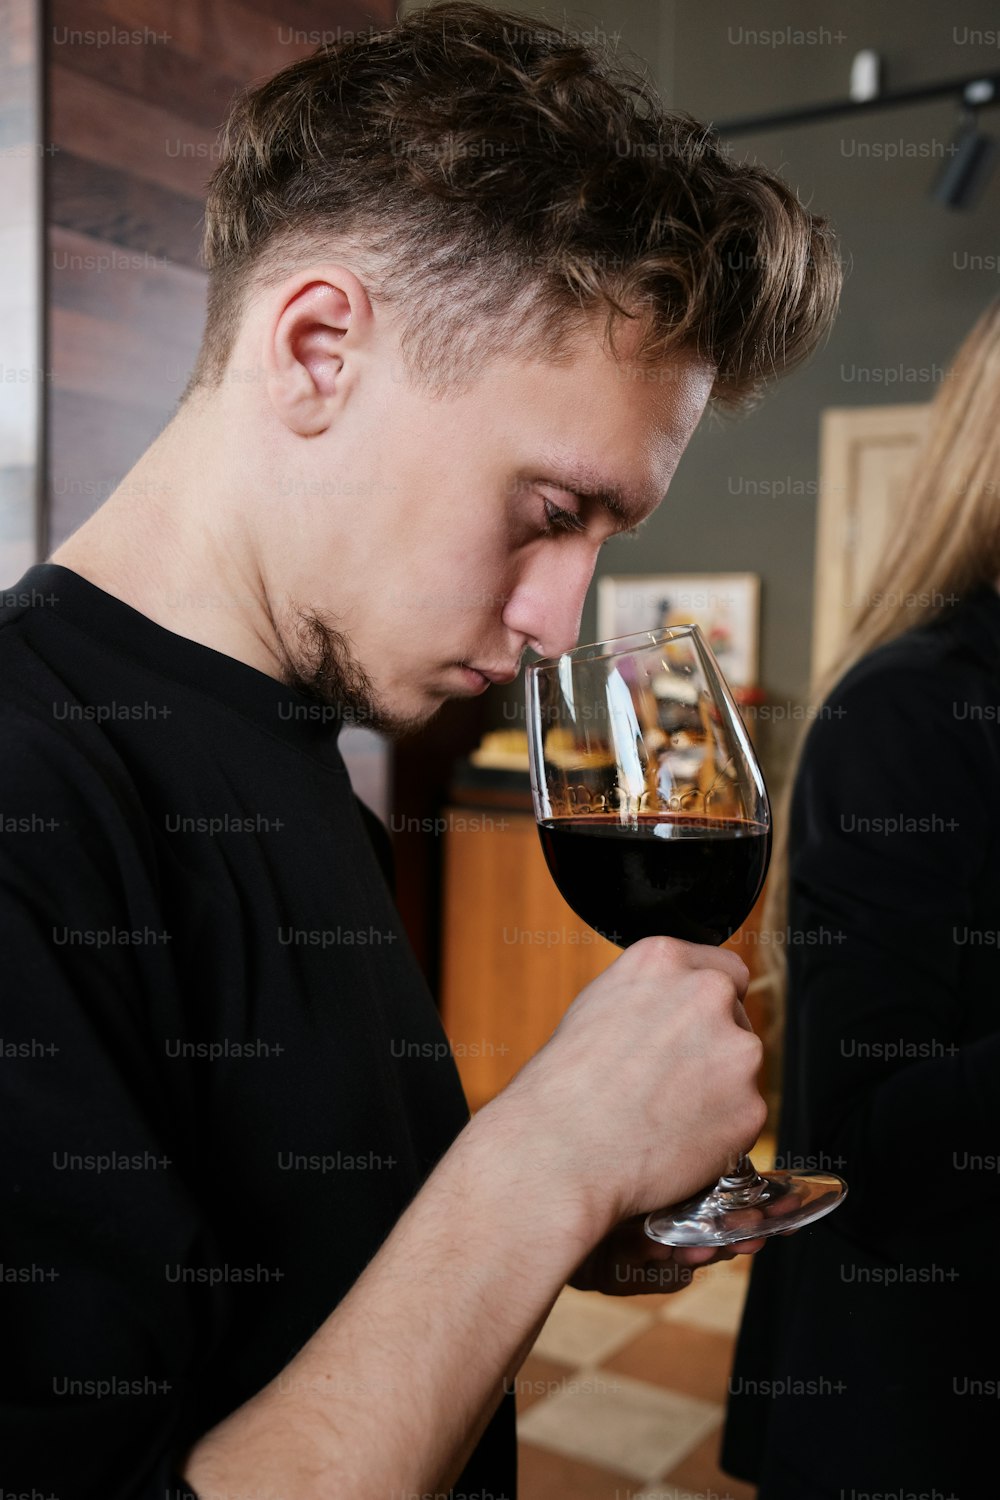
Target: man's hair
[496, 181]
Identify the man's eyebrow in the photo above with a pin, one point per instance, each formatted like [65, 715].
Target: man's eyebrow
[621, 503]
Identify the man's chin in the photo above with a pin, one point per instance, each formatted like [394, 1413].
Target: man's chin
[397, 723]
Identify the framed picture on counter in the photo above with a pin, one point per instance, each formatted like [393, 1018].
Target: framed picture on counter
[726, 606]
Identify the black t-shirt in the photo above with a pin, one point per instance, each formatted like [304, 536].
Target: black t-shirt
[223, 1075]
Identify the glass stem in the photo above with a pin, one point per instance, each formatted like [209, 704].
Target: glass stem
[743, 1186]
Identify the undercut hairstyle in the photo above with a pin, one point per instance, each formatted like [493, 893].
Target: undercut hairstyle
[498, 182]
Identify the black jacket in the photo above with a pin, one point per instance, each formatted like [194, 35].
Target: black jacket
[868, 1360]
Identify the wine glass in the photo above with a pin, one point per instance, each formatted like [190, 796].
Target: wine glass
[654, 818]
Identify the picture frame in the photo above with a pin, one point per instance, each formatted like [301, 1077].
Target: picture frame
[726, 606]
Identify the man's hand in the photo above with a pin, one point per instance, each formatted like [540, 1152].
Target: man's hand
[645, 1092]
[627, 1263]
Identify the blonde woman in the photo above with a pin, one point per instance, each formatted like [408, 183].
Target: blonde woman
[867, 1361]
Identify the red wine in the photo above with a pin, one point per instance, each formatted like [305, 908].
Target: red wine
[693, 878]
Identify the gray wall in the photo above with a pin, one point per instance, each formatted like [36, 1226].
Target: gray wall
[907, 302]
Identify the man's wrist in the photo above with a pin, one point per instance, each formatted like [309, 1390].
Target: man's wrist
[523, 1157]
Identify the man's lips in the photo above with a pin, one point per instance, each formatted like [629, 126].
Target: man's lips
[480, 678]
[495, 674]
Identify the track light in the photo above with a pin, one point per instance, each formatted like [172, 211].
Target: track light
[973, 153]
[963, 178]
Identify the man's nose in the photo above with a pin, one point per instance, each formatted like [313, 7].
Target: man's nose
[547, 600]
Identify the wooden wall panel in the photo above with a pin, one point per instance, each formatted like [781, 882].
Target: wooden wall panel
[110, 434]
[146, 141]
[112, 208]
[159, 74]
[131, 141]
[22, 372]
[866, 456]
[170, 296]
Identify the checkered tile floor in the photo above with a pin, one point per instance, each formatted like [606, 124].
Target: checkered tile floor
[622, 1397]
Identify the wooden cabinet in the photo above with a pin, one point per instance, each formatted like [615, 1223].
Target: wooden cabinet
[514, 954]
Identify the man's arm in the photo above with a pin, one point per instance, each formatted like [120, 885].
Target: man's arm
[392, 1393]
[638, 1099]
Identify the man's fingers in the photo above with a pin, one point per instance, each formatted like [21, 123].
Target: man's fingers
[695, 956]
[701, 956]
[693, 1255]
[704, 1255]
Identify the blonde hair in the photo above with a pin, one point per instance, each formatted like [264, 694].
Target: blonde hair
[945, 543]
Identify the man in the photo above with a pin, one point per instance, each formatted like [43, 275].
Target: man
[470, 292]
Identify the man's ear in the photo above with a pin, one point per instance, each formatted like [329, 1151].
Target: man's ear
[320, 322]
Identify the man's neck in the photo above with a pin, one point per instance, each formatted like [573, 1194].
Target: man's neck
[164, 542]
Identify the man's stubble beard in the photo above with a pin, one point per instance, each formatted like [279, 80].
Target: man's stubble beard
[320, 663]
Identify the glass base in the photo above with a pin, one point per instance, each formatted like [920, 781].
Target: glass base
[748, 1206]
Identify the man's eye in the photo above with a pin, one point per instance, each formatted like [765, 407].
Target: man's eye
[561, 520]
